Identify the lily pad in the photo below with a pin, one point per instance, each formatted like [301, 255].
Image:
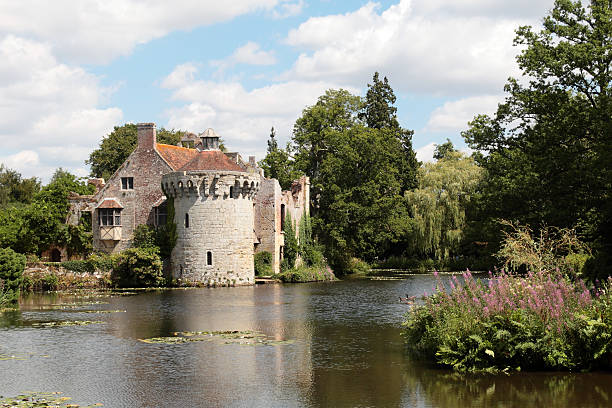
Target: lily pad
[250, 338]
[63, 323]
[40, 399]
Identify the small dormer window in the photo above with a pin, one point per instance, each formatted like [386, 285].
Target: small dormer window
[127, 183]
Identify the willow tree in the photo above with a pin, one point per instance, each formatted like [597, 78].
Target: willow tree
[438, 204]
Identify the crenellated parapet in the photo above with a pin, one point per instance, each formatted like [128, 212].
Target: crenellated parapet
[211, 184]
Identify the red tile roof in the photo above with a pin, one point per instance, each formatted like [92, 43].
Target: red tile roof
[109, 203]
[176, 156]
[211, 160]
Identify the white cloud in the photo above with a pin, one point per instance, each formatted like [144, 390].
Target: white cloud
[453, 116]
[96, 31]
[288, 9]
[249, 54]
[425, 153]
[443, 53]
[46, 105]
[242, 117]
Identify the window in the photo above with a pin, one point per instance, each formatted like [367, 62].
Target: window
[209, 258]
[161, 214]
[186, 220]
[127, 183]
[110, 216]
[231, 191]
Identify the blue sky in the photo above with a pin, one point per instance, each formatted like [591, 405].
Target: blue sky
[73, 69]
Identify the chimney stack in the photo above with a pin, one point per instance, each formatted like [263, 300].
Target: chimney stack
[146, 136]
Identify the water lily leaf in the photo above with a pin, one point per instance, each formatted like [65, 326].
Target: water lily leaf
[247, 337]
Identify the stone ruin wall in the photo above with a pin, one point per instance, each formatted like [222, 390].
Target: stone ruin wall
[269, 201]
[268, 226]
[218, 224]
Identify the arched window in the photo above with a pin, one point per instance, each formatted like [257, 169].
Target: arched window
[186, 220]
[209, 258]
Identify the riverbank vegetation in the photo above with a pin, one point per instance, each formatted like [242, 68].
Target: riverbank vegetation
[542, 320]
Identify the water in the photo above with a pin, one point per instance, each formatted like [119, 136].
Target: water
[348, 352]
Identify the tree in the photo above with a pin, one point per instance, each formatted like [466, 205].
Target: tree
[378, 112]
[443, 150]
[14, 189]
[361, 212]
[12, 265]
[119, 144]
[278, 164]
[438, 205]
[553, 130]
[334, 112]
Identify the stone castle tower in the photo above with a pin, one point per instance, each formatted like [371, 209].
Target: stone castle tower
[213, 204]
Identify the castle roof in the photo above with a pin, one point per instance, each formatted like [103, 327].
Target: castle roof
[176, 156]
[211, 160]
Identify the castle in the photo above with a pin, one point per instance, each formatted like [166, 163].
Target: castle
[225, 210]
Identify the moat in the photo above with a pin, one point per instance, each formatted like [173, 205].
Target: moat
[328, 344]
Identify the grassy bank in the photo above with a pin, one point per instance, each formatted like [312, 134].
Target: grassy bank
[541, 321]
[306, 274]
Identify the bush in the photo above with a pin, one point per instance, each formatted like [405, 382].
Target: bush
[12, 266]
[540, 321]
[138, 267]
[306, 274]
[145, 236]
[357, 266]
[263, 263]
[102, 262]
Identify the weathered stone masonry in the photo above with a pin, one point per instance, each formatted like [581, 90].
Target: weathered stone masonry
[225, 209]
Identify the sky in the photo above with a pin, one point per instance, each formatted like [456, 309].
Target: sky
[73, 69]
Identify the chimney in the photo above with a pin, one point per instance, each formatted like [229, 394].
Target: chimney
[210, 140]
[146, 136]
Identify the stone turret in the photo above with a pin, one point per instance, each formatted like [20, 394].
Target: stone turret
[213, 204]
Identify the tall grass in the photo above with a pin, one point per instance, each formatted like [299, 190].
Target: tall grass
[538, 321]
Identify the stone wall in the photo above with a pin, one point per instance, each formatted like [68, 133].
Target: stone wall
[146, 167]
[268, 228]
[219, 207]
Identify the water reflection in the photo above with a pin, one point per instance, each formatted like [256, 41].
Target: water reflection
[347, 352]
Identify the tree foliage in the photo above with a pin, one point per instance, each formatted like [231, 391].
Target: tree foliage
[548, 146]
[138, 268]
[443, 150]
[14, 189]
[34, 227]
[291, 243]
[278, 164]
[12, 265]
[438, 205]
[119, 144]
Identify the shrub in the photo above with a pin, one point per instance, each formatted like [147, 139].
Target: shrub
[138, 267]
[12, 266]
[540, 321]
[357, 266]
[102, 261]
[145, 236]
[50, 282]
[306, 274]
[263, 263]
[554, 248]
[79, 266]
